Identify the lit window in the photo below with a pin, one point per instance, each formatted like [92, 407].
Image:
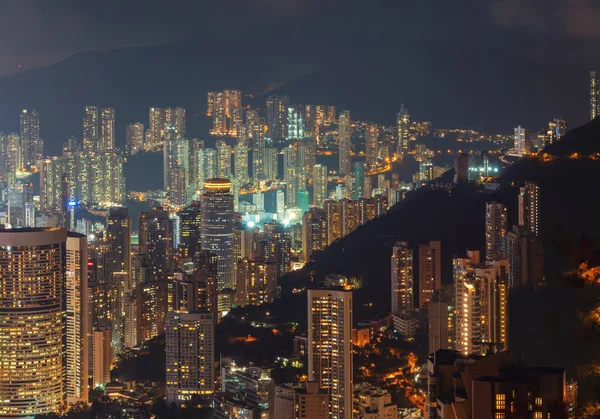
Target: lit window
[537, 415]
[500, 401]
[538, 401]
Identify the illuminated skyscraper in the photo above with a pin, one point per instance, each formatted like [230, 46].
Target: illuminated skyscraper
[468, 304]
[91, 129]
[134, 135]
[331, 112]
[190, 355]
[330, 347]
[107, 129]
[521, 145]
[594, 102]
[403, 126]
[319, 185]
[101, 358]
[31, 143]
[402, 278]
[258, 150]
[371, 136]
[217, 228]
[191, 228]
[271, 164]
[345, 143]
[495, 229]
[107, 179]
[223, 160]
[226, 109]
[178, 171]
[33, 275]
[529, 207]
[241, 163]
[430, 271]
[277, 108]
[295, 123]
[155, 126]
[76, 317]
[156, 242]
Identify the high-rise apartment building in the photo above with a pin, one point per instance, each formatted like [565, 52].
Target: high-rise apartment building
[225, 107]
[107, 129]
[191, 228]
[190, 356]
[594, 102]
[345, 144]
[495, 229]
[402, 278]
[91, 129]
[295, 129]
[319, 185]
[271, 164]
[101, 357]
[481, 304]
[330, 347]
[223, 160]
[217, 228]
[525, 253]
[258, 149]
[118, 239]
[31, 314]
[529, 207]
[31, 143]
[277, 109]
[521, 142]
[155, 126]
[403, 127]
[430, 271]
[441, 320]
[134, 138]
[178, 173]
[241, 163]
[156, 237]
[371, 136]
[75, 294]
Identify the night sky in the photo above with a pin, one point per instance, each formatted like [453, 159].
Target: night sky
[38, 33]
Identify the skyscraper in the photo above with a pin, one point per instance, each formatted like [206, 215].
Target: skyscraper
[258, 150]
[402, 278]
[521, 145]
[271, 164]
[91, 129]
[430, 271]
[155, 126]
[223, 160]
[330, 347]
[178, 171]
[226, 109]
[482, 305]
[107, 129]
[371, 136]
[594, 102]
[557, 128]
[529, 207]
[134, 136]
[403, 126]
[156, 242]
[319, 185]
[31, 143]
[76, 318]
[118, 238]
[33, 274]
[277, 109]
[295, 123]
[190, 355]
[345, 143]
[191, 228]
[217, 228]
[495, 229]
[241, 163]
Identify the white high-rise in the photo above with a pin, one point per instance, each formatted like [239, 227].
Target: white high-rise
[344, 133]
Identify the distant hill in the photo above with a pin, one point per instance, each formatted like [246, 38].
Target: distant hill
[451, 84]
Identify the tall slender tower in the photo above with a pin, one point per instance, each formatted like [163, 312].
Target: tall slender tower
[345, 143]
[430, 271]
[495, 229]
[593, 95]
[31, 145]
[277, 109]
[403, 125]
[258, 149]
[402, 278]
[91, 130]
[529, 207]
[217, 228]
[77, 326]
[33, 274]
[107, 129]
[371, 135]
[330, 347]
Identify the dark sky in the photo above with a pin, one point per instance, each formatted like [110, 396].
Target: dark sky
[35, 33]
